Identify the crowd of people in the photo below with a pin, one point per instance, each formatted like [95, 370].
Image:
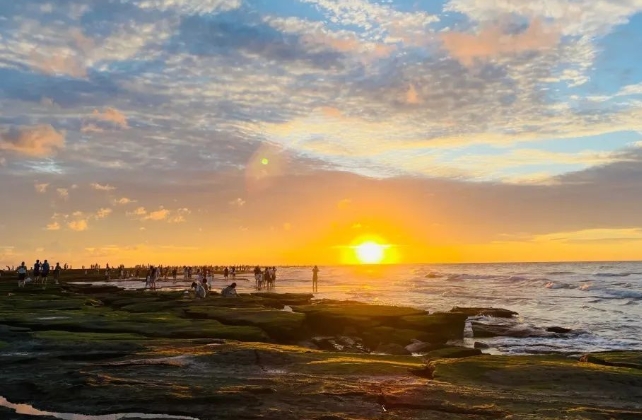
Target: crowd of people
[38, 274]
[203, 276]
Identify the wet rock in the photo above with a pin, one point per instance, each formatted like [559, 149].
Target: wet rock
[625, 359]
[494, 312]
[418, 346]
[481, 346]
[559, 330]
[325, 343]
[308, 344]
[393, 349]
[484, 330]
[454, 352]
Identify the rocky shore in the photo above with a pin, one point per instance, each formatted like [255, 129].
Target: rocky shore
[101, 350]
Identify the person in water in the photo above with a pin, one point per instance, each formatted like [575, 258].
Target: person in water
[230, 291]
[315, 279]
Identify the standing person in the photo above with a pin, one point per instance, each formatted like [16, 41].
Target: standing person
[44, 272]
[36, 271]
[57, 272]
[315, 279]
[226, 273]
[257, 276]
[22, 274]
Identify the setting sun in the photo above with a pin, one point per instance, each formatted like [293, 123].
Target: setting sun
[370, 252]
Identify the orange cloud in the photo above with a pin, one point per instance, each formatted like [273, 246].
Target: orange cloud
[99, 187]
[493, 41]
[112, 115]
[91, 128]
[412, 97]
[53, 226]
[103, 212]
[36, 141]
[59, 63]
[157, 215]
[78, 225]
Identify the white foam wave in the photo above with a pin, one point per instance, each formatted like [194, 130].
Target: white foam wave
[559, 285]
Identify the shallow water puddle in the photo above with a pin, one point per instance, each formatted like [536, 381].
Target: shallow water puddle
[32, 411]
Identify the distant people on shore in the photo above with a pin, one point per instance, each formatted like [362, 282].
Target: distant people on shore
[315, 279]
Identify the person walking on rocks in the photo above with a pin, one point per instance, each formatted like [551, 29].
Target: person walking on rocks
[315, 279]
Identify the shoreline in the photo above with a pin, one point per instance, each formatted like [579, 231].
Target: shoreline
[101, 350]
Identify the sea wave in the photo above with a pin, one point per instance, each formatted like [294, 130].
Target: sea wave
[559, 285]
[612, 274]
[559, 273]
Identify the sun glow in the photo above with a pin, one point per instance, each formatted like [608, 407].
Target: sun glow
[370, 252]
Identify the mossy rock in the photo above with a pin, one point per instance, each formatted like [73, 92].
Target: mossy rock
[436, 328]
[453, 352]
[362, 310]
[540, 373]
[76, 337]
[154, 306]
[289, 299]
[280, 325]
[628, 359]
[384, 335]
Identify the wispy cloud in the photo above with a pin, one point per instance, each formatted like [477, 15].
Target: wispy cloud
[102, 187]
[41, 188]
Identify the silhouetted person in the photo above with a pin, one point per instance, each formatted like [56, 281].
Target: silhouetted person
[315, 279]
[56, 272]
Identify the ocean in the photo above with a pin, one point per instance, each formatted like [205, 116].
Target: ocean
[600, 302]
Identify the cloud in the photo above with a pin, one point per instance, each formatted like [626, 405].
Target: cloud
[99, 187]
[123, 201]
[78, 225]
[91, 128]
[111, 115]
[496, 41]
[34, 141]
[103, 213]
[41, 188]
[412, 97]
[238, 202]
[63, 193]
[592, 235]
[160, 214]
[190, 6]
[53, 226]
[179, 216]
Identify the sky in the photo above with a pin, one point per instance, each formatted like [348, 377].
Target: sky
[287, 132]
